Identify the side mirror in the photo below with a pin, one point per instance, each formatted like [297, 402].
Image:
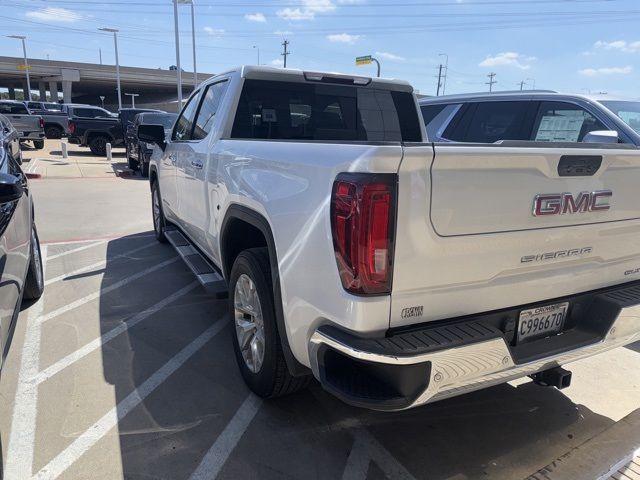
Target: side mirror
[10, 188]
[152, 134]
[601, 136]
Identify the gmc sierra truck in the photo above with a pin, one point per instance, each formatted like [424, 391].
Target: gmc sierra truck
[396, 271]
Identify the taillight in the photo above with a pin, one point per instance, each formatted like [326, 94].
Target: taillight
[363, 227]
[72, 126]
[41, 123]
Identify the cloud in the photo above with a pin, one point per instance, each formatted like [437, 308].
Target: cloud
[255, 17]
[620, 45]
[277, 62]
[308, 11]
[512, 59]
[216, 32]
[392, 57]
[343, 38]
[54, 14]
[595, 72]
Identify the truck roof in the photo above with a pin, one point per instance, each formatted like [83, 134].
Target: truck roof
[514, 95]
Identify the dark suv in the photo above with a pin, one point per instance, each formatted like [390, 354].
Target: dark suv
[543, 116]
[139, 151]
[21, 275]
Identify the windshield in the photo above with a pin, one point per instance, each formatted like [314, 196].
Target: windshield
[629, 112]
[165, 120]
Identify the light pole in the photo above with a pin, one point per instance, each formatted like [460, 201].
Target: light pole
[446, 71]
[133, 98]
[178, 68]
[193, 39]
[258, 49]
[115, 43]
[26, 64]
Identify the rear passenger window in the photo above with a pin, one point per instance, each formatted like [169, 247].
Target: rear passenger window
[490, 122]
[184, 125]
[305, 111]
[563, 122]
[85, 112]
[206, 115]
[429, 112]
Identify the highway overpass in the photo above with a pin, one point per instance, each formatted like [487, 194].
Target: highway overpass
[86, 82]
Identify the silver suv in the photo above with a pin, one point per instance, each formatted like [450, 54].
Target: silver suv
[531, 116]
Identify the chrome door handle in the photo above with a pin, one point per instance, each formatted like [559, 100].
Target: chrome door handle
[172, 158]
[196, 163]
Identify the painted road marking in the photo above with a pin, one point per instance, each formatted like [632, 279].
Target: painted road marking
[93, 296]
[226, 442]
[99, 429]
[99, 264]
[85, 350]
[25, 407]
[79, 249]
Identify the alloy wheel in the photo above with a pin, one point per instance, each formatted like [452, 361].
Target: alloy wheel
[249, 323]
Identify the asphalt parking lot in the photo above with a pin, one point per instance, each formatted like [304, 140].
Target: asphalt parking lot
[125, 369]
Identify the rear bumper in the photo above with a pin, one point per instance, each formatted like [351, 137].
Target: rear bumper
[444, 359]
[39, 135]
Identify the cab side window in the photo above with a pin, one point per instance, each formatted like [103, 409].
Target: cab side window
[184, 124]
[563, 122]
[211, 100]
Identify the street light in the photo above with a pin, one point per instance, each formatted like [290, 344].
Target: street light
[193, 39]
[446, 71]
[178, 67]
[115, 43]
[26, 64]
[257, 48]
[133, 98]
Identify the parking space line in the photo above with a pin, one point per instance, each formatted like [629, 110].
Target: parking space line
[85, 350]
[98, 430]
[217, 456]
[103, 291]
[99, 264]
[75, 250]
[25, 406]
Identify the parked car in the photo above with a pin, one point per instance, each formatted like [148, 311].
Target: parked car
[396, 270]
[94, 127]
[138, 151]
[530, 116]
[20, 261]
[29, 127]
[55, 121]
[35, 106]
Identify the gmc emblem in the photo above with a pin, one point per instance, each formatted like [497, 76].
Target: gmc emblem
[565, 203]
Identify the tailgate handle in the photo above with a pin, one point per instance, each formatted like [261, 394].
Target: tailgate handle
[579, 165]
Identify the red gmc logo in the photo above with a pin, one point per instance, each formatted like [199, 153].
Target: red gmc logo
[566, 203]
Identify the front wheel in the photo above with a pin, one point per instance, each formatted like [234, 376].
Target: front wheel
[53, 132]
[38, 144]
[159, 222]
[34, 283]
[256, 340]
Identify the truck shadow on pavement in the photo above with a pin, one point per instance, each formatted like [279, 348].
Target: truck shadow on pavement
[179, 394]
[634, 346]
[87, 153]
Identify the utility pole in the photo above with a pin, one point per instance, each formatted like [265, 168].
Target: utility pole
[446, 71]
[522, 82]
[285, 44]
[100, 52]
[439, 80]
[491, 81]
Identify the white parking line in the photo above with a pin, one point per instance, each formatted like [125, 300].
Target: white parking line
[99, 264]
[103, 291]
[226, 442]
[79, 249]
[98, 430]
[25, 407]
[31, 168]
[85, 350]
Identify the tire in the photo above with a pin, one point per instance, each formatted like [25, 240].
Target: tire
[132, 164]
[34, 283]
[98, 146]
[267, 376]
[53, 132]
[159, 222]
[38, 144]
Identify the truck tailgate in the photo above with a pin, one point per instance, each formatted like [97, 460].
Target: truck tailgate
[468, 240]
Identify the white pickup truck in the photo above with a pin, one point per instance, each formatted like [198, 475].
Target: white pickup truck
[394, 270]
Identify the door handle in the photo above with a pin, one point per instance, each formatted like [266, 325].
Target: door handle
[197, 164]
[172, 158]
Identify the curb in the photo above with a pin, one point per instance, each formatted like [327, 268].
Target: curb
[599, 457]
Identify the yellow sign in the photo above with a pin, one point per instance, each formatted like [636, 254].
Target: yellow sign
[364, 60]
[23, 67]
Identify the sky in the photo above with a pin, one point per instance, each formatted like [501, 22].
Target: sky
[566, 45]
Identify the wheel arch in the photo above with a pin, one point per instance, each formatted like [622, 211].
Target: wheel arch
[237, 218]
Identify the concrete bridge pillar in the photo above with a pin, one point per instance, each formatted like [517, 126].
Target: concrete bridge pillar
[53, 91]
[43, 91]
[66, 90]
[12, 92]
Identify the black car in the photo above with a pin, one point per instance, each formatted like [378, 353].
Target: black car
[139, 151]
[21, 275]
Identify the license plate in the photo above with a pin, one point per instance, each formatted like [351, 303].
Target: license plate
[541, 321]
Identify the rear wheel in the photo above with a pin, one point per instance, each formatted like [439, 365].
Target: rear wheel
[34, 283]
[98, 146]
[53, 132]
[256, 340]
[38, 144]
[159, 222]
